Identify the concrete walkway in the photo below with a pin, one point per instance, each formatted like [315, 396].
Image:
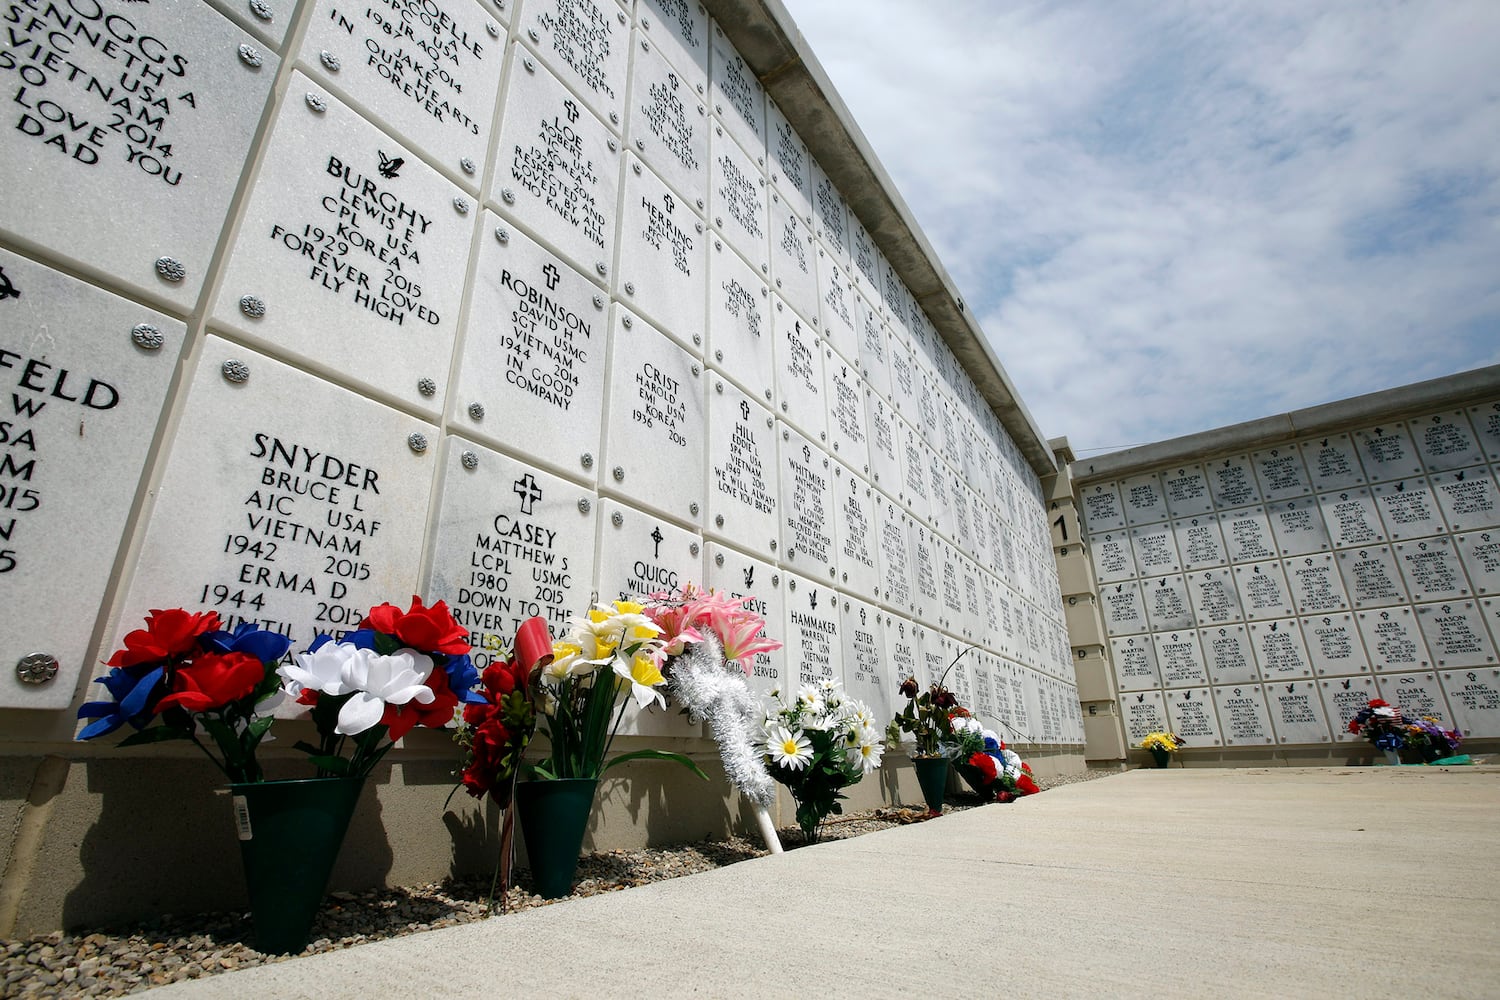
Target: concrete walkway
[1285, 882]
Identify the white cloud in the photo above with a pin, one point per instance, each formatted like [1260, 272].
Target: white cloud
[1171, 216]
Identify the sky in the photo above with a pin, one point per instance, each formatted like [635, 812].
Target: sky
[1174, 215]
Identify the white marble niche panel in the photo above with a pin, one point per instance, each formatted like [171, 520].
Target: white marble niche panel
[1004, 720]
[124, 161]
[1023, 720]
[1393, 640]
[901, 649]
[430, 75]
[1315, 584]
[1485, 419]
[927, 406]
[1298, 526]
[874, 359]
[1351, 518]
[831, 216]
[793, 259]
[971, 625]
[1332, 463]
[1228, 655]
[950, 584]
[1418, 694]
[864, 262]
[1456, 635]
[1155, 549]
[905, 378]
[1102, 509]
[669, 126]
[938, 652]
[1432, 570]
[1371, 577]
[1179, 658]
[836, 306]
[789, 162]
[855, 532]
[1469, 498]
[351, 254]
[512, 541]
[884, 442]
[1408, 509]
[1135, 663]
[1144, 501]
[1279, 650]
[1145, 712]
[679, 30]
[85, 374]
[1480, 554]
[1281, 473]
[1297, 712]
[743, 576]
[739, 323]
[1263, 590]
[286, 501]
[1474, 699]
[654, 431]
[640, 554]
[1334, 646]
[268, 21]
[1231, 482]
[1343, 698]
[1386, 452]
[864, 655]
[1187, 490]
[940, 503]
[1247, 535]
[962, 529]
[1446, 441]
[898, 301]
[534, 354]
[1168, 604]
[1214, 599]
[738, 99]
[807, 504]
[557, 169]
[587, 44]
[893, 525]
[743, 501]
[926, 573]
[847, 434]
[815, 648]
[663, 261]
[990, 591]
[1193, 717]
[1200, 542]
[984, 707]
[737, 199]
[914, 489]
[1124, 612]
[1243, 717]
[801, 389]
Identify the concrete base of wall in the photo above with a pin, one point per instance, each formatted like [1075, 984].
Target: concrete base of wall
[93, 837]
[1359, 754]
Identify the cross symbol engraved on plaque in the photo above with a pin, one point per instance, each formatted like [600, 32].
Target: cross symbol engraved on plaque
[806, 455]
[862, 616]
[672, 79]
[671, 205]
[572, 110]
[529, 492]
[390, 168]
[749, 577]
[9, 291]
[552, 274]
[656, 536]
[744, 411]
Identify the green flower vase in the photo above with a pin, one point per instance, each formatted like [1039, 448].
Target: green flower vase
[554, 816]
[932, 775]
[290, 834]
[1162, 757]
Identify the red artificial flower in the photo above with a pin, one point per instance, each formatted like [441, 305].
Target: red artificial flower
[1004, 796]
[1379, 703]
[985, 764]
[1026, 786]
[400, 719]
[502, 677]
[172, 632]
[491, 740]
[213, 680]
[425, 629]
[1353, 725]
[908, 687]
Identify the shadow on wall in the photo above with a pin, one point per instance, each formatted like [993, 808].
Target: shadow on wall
[163, 841]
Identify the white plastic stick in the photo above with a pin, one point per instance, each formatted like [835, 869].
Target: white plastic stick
[767, 830]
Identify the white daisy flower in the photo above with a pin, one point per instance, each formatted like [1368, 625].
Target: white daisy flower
[789, 749]
[866, 753]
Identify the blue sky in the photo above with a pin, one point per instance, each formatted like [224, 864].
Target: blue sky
[1179, 214]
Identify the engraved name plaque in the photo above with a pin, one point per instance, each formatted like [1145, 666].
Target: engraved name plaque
[1392, 639]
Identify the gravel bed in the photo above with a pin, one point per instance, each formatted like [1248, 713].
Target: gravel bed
[116, 961]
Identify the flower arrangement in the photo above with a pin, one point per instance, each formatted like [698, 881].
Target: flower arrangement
[399, 670]
[927, 716]
[818, 745]
[186, 673]
[615, 650]
[991, 769]
[1165, 742]
[1388, 728]
[496, 730]
[1428, 737]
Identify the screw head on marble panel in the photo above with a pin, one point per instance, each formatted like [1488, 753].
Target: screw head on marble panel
[146, 336]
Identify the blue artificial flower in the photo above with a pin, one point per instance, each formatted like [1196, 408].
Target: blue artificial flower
[133, 702]
[463, 678]
[364, 638]
[992, 746]
[265, 646]
[1389, 741]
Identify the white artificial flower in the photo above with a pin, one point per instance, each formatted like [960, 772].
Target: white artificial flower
[867, 752]
[789, 749]
[375, 681]
[810, 700]
[643, 675]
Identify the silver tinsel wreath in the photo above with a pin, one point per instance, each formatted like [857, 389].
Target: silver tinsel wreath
[715, 691]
